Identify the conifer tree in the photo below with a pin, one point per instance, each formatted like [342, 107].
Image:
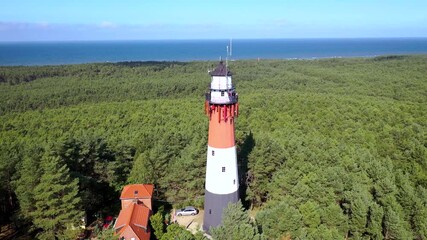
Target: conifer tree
[176, 232]
[157, 222]
[24, 186]
[57, 205]
[420, 219]
[394, 225]
[107, 234]
[310, 214]
[281, 221]
[9, 157]
[332, 216]
[140, 172]
[184, 179]
[236, 224]
[263, 161]
[376, 214]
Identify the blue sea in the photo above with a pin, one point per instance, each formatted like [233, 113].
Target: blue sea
[56, 53]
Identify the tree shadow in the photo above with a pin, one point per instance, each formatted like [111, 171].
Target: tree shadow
[244, 148]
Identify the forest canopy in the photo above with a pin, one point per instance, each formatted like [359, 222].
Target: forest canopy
[327, 148]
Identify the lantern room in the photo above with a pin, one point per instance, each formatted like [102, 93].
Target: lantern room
[221, 89]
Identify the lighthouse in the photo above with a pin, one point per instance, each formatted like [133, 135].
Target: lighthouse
[222, 183]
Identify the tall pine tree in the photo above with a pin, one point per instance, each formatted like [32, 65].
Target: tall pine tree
[57, 205]
[236, 224]
[29, 178]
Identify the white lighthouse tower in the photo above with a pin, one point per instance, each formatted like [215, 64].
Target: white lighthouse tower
[222, 183]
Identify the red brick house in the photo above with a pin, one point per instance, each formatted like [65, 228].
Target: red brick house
[132, 222]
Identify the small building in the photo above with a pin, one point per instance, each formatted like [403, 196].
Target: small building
[132, 222]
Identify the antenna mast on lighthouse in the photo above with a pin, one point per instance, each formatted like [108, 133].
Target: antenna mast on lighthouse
[229, 52]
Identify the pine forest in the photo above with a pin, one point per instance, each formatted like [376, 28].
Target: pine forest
[327, 148]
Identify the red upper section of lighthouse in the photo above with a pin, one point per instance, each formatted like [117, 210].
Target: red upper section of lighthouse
[221, 127]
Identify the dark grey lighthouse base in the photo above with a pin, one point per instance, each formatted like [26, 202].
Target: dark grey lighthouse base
[214, 206]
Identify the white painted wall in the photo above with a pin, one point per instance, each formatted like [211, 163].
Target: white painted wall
[221, 82]
[217, 98]
[219, 182]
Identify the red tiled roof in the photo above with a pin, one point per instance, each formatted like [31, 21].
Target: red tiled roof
[135, 217]
[141, 233]
[137, 191]
[137, 233]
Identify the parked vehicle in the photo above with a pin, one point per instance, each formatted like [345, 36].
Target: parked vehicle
[187, 211]
[107, 222]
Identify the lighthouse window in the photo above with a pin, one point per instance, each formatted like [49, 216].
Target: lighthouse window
[222, 93]
[213, 153]
[210, 211]
[223, 169]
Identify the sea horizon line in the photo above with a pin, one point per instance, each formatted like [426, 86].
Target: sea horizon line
[206, 39]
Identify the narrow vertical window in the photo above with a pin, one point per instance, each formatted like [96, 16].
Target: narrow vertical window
[222, 93]
[210, 211]
[223, 169]
[234, 181]
[213, 153]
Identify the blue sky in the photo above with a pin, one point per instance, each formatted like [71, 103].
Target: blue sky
[57, 20]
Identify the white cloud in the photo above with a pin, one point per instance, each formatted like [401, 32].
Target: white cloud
[6, 26]
[107, 24]
[43, 25]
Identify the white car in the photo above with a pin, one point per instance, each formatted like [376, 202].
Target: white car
[187, 211]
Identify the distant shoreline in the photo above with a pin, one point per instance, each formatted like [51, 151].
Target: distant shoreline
[80, 52]
[263, 59]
